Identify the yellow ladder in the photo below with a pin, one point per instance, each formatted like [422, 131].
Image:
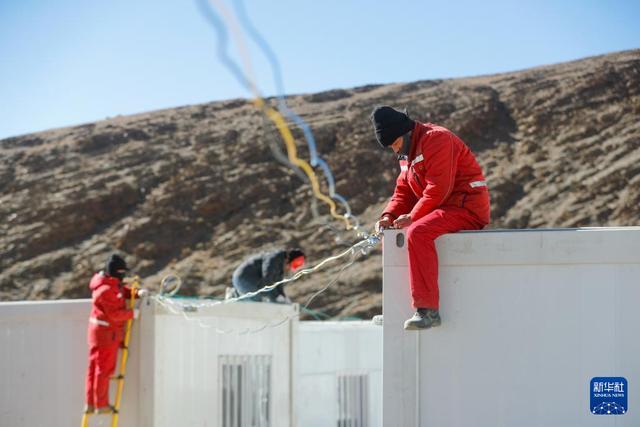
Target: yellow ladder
[123, 363]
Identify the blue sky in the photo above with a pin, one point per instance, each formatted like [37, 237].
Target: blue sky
[70, 61]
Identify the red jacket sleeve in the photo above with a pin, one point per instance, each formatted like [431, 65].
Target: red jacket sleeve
[402, 199]
[126, 292]
[440, 164]
[113, 307]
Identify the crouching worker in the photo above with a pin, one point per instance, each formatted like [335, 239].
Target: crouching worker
[266, 269]
[109, 314]
[441, 189]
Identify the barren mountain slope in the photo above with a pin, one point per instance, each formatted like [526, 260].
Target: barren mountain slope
[193, 190]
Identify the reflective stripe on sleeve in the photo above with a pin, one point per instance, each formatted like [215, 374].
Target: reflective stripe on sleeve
[475, 184]
[98, 322]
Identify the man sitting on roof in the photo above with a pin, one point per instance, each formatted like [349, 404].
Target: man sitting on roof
[441, 189]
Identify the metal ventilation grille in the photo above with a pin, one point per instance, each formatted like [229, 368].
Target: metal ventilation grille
[245, 390]
[353, 401]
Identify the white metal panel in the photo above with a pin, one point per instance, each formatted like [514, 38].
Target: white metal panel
[43, 366]
[400, 358]
[328, 350]
[528, 319]
[43, 362]
[540, 247]
[186, 375]
[317, 401]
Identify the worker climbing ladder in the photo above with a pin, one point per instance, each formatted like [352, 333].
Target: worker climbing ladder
[124, 356]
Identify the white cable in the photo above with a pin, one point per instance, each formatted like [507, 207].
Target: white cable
[361, 247]
[169, 305]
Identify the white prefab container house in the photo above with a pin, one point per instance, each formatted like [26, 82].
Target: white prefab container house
[226, 365]
[529, 319]
[190, 364]
[339, 379]
[43, 358]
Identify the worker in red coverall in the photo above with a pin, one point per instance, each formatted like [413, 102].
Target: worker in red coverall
[109, 314]
[441, 189]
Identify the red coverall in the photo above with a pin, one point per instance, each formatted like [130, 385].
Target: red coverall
[443, 188]
[105, 335]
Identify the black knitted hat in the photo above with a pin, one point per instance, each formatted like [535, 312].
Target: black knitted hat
[115, 263]
[293, 254]
[390, 124]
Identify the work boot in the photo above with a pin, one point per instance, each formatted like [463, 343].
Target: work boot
[88, 409]
[105, 410]
[424, 318]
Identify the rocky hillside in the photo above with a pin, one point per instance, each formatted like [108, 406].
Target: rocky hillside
[193, 190]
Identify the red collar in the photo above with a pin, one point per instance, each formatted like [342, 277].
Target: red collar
[419, 130]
